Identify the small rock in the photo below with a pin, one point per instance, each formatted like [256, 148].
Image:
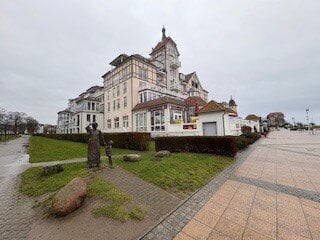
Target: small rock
[132, 158]
[52, 169]
[70, 197]
[162, 153]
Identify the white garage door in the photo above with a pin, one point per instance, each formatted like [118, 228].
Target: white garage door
[209, 129]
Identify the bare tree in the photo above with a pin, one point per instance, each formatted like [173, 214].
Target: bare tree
[16, 119]
[32, 125]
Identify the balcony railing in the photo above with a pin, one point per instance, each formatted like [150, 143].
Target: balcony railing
[175, 64]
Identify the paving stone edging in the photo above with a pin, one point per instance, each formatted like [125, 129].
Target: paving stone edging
[172, 223]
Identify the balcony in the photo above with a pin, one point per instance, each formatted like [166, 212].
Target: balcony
[174, 87]
[175, 64]
[161, 71]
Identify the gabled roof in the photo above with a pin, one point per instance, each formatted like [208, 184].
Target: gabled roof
[189, 76]
[195, 101]
[163, 43]
[118, 60]
[122, 58]
[65, 111]
[212, 106]
[158, 102]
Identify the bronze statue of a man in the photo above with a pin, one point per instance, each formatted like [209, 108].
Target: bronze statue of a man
[94, 145]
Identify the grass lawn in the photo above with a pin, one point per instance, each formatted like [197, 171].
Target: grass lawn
[113, 200]
[34, 184]
[44, 149]
[4, 138]
[179, 172]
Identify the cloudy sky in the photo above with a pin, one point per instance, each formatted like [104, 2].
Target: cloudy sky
[265, 53]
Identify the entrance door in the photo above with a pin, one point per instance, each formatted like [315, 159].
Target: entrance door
[209, 129]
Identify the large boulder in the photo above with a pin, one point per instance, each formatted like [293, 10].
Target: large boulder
[132, 158]
[162, 153]
[70, 197]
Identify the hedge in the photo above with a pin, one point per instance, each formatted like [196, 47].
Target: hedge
[128, 140]
[202, 144]
[244, 140]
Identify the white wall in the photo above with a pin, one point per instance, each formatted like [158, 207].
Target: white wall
[232, 125]
[212, 117]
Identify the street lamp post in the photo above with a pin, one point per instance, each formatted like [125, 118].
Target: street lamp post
[307, 111]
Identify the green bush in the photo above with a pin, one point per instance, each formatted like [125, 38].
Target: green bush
[244, 140]
[203, 144]
[246, 129]
[128, 140]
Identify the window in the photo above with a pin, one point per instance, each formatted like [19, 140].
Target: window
[116, 122]
[88, 105]
[141, 122]
[157, 120]
[125, 102]
[124, 88]
[142, 73]
[114, 104]
[113, 92]
[125, 121]
[78, 120]
[118, 91]
[88, 117]
[93, 118]
[108, 106]
[109, 123]
[93, 107]
[118, 103]
[108, 95]
[175, 116]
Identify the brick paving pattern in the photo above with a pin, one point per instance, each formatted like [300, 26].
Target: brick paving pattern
[158, 202]
[15, 210]
[272, 194]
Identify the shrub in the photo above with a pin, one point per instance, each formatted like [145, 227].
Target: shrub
[244, 140]
[203, 144]
[246, 129]
[128, 140]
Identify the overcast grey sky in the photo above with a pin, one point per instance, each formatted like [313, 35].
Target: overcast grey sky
[266, 54]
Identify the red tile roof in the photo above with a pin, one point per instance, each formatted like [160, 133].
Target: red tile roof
[211, 106]
[158, 102]
[188, 76]
[195, 101]
[161, 44]
[214, 106]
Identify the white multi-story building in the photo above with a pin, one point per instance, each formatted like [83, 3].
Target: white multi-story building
[87, 108]
[149, 94]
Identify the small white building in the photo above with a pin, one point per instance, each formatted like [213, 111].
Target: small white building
[87, 108]
[217, 119]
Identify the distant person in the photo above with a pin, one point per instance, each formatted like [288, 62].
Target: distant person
[94, 145]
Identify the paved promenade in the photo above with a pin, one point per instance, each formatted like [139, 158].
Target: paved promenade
[15, 209]
[272, 192]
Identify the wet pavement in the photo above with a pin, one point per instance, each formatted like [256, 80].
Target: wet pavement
[15, 209]
[273, 194]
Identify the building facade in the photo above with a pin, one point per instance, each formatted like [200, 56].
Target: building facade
[221, 119]
[87, 108]
[135, 80]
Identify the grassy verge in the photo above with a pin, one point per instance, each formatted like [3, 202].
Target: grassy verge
[179, 172]
[4, 138]
[34, 184]
[47, 149]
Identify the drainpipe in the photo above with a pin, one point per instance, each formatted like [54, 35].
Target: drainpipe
[224, 130]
